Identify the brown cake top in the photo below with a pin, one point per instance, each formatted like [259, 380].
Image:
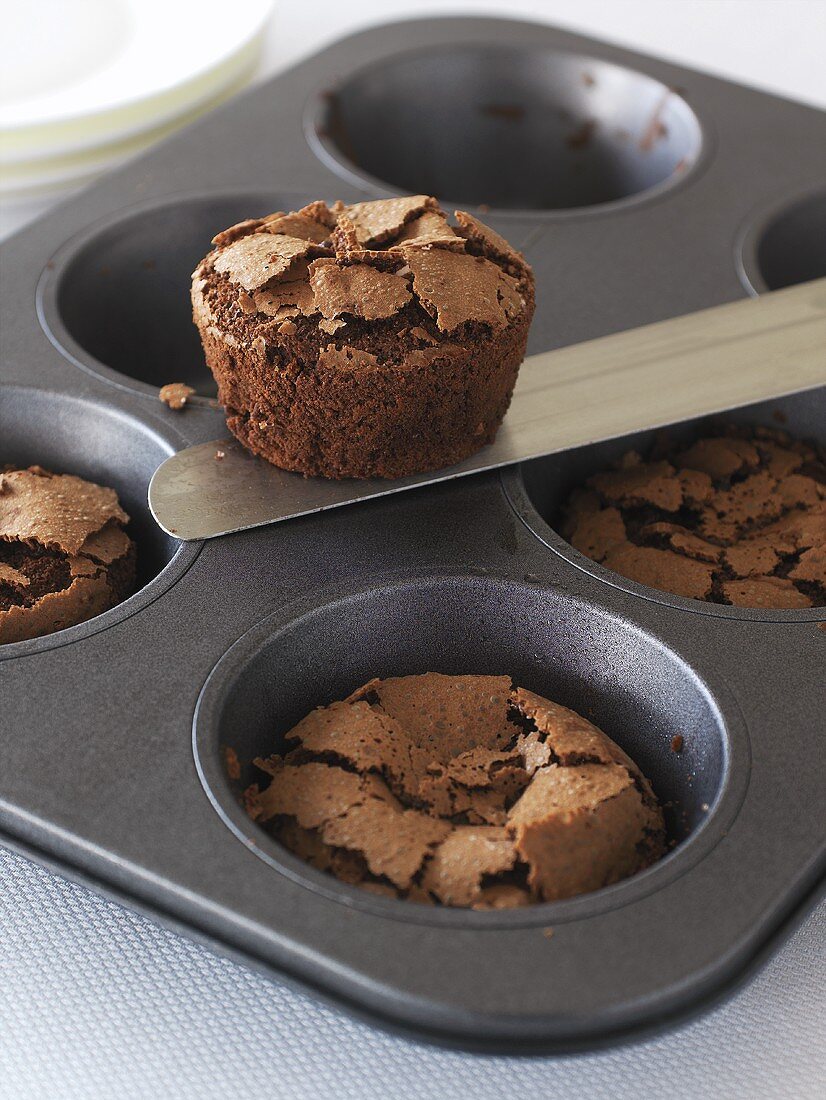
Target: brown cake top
[369, 261]
[55, 511]
[737, 517]
[56, 531]
[459, 790]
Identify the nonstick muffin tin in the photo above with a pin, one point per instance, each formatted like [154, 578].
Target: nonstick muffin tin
[638, 191]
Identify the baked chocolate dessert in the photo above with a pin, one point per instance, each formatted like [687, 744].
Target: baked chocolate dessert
[459, 790]
[372, 340]
[737, 517]
[64, 555]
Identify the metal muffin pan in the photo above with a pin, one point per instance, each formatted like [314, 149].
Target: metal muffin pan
[113, 732]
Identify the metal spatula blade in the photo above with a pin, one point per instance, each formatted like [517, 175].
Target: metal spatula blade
[702, 363]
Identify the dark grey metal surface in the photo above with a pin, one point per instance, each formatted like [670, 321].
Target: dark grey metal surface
[97, 770]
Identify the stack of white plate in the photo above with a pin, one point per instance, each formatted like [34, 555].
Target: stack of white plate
[85, 84]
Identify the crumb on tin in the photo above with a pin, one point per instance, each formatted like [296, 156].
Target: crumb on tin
[175, 394]
[233, 765]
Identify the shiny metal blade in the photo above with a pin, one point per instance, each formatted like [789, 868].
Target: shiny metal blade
[702, 363]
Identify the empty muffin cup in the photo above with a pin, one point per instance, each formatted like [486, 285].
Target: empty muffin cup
[514, 128]
[787, 244]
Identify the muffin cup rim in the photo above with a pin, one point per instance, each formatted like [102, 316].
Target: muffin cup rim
[207, 753]
[756, 224]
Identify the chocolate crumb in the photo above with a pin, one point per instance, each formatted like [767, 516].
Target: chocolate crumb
[677, 742]
[232, 763]
[582, 136]
[175, 394]
[509, 112]
[656, 129]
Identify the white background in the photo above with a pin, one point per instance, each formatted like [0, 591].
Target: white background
[777, 45]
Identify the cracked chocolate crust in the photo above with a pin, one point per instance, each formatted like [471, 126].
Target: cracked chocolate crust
[378, 341]
[737, 517]
[459, 790]
[64, 555]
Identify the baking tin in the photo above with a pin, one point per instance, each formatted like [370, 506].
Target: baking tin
[111, 756]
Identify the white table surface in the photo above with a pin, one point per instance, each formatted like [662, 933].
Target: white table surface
[98, 1002]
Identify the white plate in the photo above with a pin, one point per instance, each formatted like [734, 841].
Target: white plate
[79, 73]
[30, 177]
